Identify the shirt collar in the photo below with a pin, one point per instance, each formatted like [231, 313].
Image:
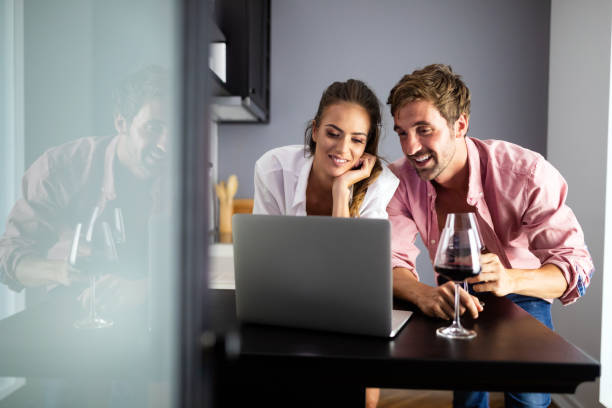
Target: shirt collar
[475, 189]
[109, 189]
[299, 199]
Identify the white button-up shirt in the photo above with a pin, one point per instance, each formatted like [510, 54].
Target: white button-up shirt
[281, 177]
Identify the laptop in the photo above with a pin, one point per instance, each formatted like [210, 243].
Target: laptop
[322, 273]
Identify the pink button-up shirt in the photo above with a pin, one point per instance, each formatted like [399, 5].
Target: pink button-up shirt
[520, 207]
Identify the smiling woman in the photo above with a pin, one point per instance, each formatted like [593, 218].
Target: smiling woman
[338, 171]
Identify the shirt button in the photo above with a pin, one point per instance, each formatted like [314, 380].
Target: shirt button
[433, 241]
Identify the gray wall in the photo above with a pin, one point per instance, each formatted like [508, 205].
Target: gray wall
[57, 73]
[500, 48]
[74, 59]
[577, 139]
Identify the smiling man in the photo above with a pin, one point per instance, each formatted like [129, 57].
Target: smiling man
[535, 250]
[64, 186]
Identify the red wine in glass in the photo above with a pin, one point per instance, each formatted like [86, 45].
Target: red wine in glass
[457, 273]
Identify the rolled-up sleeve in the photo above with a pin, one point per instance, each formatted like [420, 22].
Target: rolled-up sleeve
[403, 232]
[555, 236]
[33, 224]
[29, 228]
[13, 247]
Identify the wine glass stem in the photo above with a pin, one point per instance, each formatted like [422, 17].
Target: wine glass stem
[457, 288]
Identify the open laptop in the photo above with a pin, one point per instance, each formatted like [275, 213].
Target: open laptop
[313, 272]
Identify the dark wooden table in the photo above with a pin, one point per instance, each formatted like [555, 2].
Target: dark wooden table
[84, 368]
[512, 352]
[42, 342]
[276, 366]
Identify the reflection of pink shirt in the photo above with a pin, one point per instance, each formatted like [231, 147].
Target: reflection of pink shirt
[60, 189]
[62, 185]
[520, 202]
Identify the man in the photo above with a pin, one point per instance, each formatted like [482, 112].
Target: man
[535, 246]
[67, 184]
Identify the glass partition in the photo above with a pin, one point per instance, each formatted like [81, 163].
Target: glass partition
[90, 202]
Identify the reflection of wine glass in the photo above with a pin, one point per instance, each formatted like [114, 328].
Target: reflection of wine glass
[90, 264]
[458, 258]
[118, 227]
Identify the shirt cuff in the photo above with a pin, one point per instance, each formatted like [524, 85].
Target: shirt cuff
[7, 272]
[571, 277]
[397, 263]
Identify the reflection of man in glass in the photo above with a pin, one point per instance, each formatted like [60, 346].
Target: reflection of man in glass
[62, 187]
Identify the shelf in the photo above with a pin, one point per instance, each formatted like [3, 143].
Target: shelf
[235, 109]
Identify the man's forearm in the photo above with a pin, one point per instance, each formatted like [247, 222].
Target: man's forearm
[546, 282]
[32, 271]
[405, 284]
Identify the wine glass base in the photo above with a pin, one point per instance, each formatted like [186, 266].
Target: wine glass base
[456, 332]
[95, 323]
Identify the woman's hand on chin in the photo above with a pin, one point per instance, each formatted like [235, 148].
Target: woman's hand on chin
[346, 180]
[341, 188]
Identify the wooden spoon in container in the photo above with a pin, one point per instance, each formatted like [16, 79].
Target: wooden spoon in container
[225, 193]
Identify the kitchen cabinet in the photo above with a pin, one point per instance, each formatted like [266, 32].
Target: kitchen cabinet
[246, 27]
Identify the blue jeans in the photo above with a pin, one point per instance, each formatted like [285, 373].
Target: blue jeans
[540, 309]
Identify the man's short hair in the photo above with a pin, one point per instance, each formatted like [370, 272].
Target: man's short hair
[139, 88]
[436, 83]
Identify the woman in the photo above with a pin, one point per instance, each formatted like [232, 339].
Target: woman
[337, 172]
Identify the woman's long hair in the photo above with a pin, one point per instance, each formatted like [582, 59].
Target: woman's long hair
[357, 92]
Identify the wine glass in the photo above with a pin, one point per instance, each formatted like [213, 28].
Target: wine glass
[90, 264]
[458, 258]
